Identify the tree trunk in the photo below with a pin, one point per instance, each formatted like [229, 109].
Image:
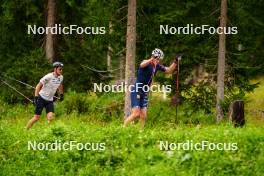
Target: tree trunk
[130, 52]
[221, 63]
[50, 38]
[110, 49]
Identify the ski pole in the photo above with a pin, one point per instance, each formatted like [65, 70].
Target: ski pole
[177, 84]
[25, 84]
[177, 89]
[17, 91]
[19, 81]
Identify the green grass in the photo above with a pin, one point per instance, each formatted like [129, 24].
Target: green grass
[128, 150]
[255, 104]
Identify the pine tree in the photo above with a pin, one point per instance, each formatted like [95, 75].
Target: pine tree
[50, 38]
[130, 51]
[221, 62]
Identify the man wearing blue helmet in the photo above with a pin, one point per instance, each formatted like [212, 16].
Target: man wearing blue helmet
[139, 97]
[45, 91]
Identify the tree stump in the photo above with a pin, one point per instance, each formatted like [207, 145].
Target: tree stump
[236, 113]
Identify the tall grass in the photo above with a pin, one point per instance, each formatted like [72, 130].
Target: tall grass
[128, 151]
[255, 104]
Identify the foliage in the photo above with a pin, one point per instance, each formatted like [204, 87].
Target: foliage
[103, 107]
[255, 102]
[76, 102]
[20, 51]
[201, 96]
[128, 151]
[88, 117]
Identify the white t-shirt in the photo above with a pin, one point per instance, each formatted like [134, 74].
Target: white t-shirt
[50, 86]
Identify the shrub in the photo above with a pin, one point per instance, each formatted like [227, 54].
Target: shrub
[76, 102]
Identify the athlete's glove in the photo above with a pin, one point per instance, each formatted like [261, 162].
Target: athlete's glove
[35, 101]
[177, 58]
[61, 97]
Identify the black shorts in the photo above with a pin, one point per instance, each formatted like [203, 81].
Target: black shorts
[139, 99]
[41, 103]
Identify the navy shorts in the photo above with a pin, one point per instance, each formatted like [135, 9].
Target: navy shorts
[139, 99]
[41, 103]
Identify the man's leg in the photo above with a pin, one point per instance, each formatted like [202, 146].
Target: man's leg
[38, 109]
[143, 110]
[135, 100]
[50, 117]
[32, 121]
[50, 111]
[143, 115]
[135, 113]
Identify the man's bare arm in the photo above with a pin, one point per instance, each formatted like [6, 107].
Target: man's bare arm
[145, 63]
[38, 88]
[174, 64]
[171, 68]
[61, 89]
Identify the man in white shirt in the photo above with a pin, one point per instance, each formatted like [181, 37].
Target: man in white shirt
[45, 91]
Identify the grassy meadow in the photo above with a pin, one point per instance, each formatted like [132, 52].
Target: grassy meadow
[86, 118]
